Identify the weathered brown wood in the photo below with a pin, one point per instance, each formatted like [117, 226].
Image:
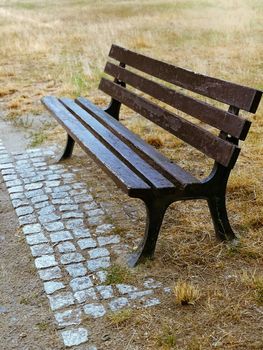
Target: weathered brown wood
[119, 148]
[118, 171]
[232, 94]
[220, 150]
[171, 170]
[225, 121]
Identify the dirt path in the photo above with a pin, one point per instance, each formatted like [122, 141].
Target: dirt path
[25, 318]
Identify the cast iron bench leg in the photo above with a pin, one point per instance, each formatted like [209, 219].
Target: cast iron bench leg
[67, 153]
[217, 206]
[156, 209]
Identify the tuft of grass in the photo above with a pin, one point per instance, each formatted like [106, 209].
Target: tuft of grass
[155, 141]
[38, 138]
[42, 326]
[186, 293]
[167, 338]
[120, 318]
[119, 274]
[255, 282]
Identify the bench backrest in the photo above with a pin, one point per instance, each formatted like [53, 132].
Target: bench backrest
[223, 148]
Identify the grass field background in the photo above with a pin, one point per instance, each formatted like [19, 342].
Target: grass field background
[60, 48]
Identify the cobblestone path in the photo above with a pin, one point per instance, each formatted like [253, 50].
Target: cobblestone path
[71, 241]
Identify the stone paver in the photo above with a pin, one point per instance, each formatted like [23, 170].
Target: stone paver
[72, 243]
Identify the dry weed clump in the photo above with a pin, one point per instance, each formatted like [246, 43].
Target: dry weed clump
[186, 293]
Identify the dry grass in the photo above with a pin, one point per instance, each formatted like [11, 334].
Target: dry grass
[60, 48]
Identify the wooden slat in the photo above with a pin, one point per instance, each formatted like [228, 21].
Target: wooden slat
[120, 173]
[222, 151]
[232, 94]
[122, 150]
[172, 171]
[224, 121]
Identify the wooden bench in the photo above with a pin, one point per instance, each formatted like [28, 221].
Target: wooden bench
[138, 168]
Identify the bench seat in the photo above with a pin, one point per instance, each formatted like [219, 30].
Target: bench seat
[133, 164]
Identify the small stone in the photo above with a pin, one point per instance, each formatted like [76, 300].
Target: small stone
[118, 303]
[41, 205]
[78, 185]
[72, 215]
[126, 288]
[8, 171]
[64, 188]
[87, 243]
[6, 166]
[35, 228]
[33, 186]
[74, 336]
[27, 219]
[60, 236]
[105, 240]
[80, 283]
[95, 220]
[82, 198]
[81, 233]
[59, 195]
[100, 263]
[136, 295]
[66, 247]
[66, 200]
[94, 310]
[54, 226]
[71, 258]
[3, 310]
[52, 286]
[105, 228]
[52, 183]
[151, 283]
[36, 238]
[24, 211]
[68, 207]
[95, 212]
[19, 195]
[47, 210]
[10, 177]
[50, 274]
[78, 191]
[76, 270]
[39, 199]
[85, 295]
[167, 290]
[60, 300]
[45, 261]
[52, 177]
[98, 252]
[68, 318]
[15, 189]
[34, 193]
[33, 178]
[48, 218]
[41, 249]
[151, 302]
[102, 276]
[19, 203]
[13, 183]
[90, 206]
[105, 291]
[74, 223]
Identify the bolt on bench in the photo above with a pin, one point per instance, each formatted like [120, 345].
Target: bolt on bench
[135, 166]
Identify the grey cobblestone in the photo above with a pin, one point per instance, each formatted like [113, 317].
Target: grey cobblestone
[66, 247]
[126, 288]
[60, 236]
[100, 263]
[68, 207]
[74, 223]
[60, 300]
[114, 239]
[50, 273]
[87, 243]
[35, 228]
[41, 249]
[98, 253]
[13, 183]
[71, 258]
[106, 292]
[48, 218]
[68, 318]
[118, 303]
[33, 186]
[81, 233]
[72, 215]
[27, 219]
[80, 283]
[39, 199]
[36, 238]
[82, 198]
[54, 226]
[24, 211]
[66, 200]
[104, 228]
[15, 189]
[34, 193]
[76, 270]
[75, 336]
[94, 310]
[19, 202]
[46, 210]
[95, 220]
[53, 286]
[45, 261]
[18, 195]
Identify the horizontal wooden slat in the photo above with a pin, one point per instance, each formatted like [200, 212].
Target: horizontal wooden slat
[232, 94]
[120, 173]
[164, 165]
[224, 121]
[222, 151]
[122, 150]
